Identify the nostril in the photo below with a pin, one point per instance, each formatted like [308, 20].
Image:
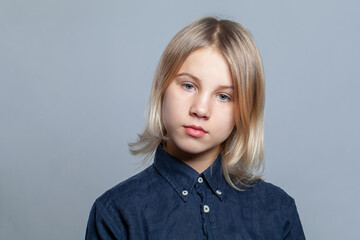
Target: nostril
[200, 107]
[200, 114]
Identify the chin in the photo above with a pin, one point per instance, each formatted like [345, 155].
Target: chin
[193, 148]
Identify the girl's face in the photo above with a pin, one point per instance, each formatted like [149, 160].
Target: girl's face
[198, 105]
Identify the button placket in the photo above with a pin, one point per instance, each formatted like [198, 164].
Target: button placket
[206, 209]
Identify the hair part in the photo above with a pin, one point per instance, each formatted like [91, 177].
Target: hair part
[243, 151]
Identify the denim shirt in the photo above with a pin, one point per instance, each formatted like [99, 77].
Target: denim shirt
[170, 200]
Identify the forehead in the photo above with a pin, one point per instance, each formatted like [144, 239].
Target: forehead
[208, 65]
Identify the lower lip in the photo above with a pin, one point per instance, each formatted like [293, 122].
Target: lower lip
[194, 132]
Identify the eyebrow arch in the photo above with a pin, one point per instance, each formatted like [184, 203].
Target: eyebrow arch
[198, 80]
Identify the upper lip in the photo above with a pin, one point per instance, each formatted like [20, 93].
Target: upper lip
[195, 127]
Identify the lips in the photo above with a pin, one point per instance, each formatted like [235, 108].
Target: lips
[195, 131]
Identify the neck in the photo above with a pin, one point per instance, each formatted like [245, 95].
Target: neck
[198, 161]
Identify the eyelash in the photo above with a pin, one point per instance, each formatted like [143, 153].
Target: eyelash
[187, 87]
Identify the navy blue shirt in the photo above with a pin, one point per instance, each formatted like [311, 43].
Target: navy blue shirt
[170, 200]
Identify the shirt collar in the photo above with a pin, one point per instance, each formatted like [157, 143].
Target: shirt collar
[183, 178]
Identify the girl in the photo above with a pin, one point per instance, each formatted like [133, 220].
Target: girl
[205, 126]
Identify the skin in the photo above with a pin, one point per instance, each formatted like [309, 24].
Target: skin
[201, 94]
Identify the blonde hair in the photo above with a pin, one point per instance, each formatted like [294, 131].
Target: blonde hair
[242, 152]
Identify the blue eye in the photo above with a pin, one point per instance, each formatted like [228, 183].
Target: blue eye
[188, 86]
[224, 97]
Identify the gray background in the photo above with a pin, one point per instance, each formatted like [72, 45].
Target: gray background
[75, 81]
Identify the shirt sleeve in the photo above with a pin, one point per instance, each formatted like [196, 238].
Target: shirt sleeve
[292, 228]
[104, 222]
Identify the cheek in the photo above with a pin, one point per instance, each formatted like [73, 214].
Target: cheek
[226, 120]
[172, 111]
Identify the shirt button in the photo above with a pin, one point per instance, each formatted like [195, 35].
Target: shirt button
[206, 209]
[200, 180]
[218, 192]
[185, 192]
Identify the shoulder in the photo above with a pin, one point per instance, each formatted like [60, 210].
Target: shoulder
[272, 195]
[267, 203]
[106, 215]
[135, 187]
[272, 199]
[276, 200]
[265, 195]
[268, 191]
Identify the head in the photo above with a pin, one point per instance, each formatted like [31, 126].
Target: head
[242, 149]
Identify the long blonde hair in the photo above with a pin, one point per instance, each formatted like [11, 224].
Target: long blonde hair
[242, 152]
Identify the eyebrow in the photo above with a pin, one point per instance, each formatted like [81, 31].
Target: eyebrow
[198, 80]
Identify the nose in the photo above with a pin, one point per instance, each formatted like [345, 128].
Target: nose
[200, 107]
